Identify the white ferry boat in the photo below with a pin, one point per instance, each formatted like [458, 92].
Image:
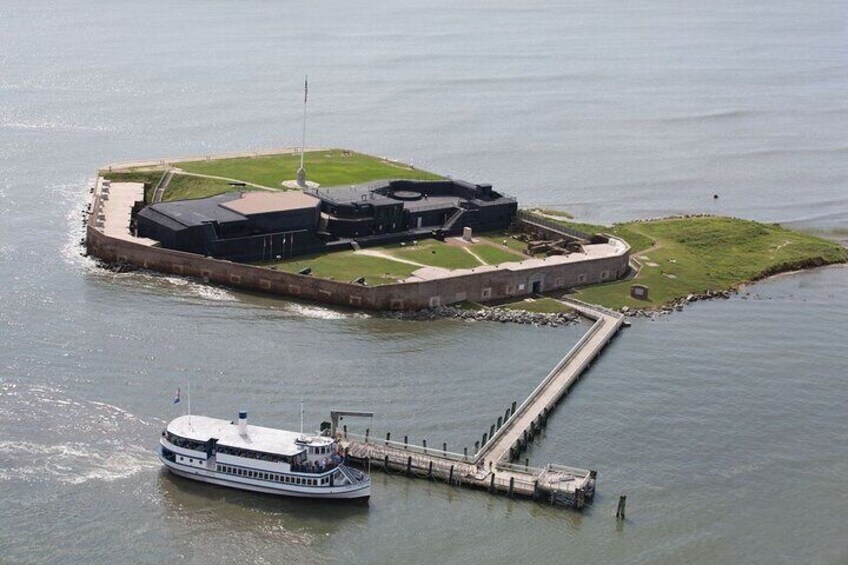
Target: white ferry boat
[259, 459]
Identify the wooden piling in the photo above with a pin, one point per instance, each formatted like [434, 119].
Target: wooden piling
[622, 501]
[405, 442]
[386, 462]
[367, 431]
[500, 422]
[445, 449]
[492, 483]
[514, 405]
[430, 470]
[450, 477]
[485, 437]
[409, 466]
[424, 442]
[388, 437]
[506, 415]
[511, 486]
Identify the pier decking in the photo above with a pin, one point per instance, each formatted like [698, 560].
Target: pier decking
[491, 468]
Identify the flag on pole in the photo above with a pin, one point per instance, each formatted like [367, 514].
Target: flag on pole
[177, 397]
[305, 88]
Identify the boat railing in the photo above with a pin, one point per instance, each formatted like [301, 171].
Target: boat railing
[353, 476]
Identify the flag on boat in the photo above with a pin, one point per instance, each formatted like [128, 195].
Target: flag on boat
[177, 397]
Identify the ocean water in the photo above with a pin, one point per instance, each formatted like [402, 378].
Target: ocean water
[724, 424]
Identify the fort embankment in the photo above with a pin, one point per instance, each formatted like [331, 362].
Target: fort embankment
[109, 238]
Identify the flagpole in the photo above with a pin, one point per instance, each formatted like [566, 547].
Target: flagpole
[303, 136]
[301, 172]
[301, 417]
[189, 396]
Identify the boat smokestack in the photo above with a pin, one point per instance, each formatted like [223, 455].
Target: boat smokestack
[242, 425]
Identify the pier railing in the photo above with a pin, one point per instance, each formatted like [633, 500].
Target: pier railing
[412, 449]
[541, 386]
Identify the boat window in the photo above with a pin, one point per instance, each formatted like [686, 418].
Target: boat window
[185, 443]
[239, 452]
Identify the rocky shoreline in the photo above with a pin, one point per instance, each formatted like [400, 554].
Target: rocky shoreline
[502, 315]
[676, 305]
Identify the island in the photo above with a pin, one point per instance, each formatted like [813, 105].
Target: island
[374, 233]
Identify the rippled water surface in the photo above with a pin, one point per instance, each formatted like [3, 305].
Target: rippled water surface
[725, 424]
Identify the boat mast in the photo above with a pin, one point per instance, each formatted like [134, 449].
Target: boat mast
[301, 417]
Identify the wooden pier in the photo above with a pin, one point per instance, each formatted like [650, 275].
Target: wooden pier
[491, 467]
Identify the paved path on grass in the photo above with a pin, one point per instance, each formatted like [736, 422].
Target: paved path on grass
[259, 186]
[372, 253]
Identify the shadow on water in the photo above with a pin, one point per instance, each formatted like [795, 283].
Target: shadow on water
[185, 496]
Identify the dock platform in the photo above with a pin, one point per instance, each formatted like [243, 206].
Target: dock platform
[491, 467]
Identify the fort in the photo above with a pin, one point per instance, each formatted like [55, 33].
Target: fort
[371, 233]
[424, 242]
[407, 243]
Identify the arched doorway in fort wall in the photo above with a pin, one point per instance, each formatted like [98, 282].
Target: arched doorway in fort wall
[536, 283]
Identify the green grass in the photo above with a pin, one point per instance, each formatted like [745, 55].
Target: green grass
[346, 266]
[538, 305]
[560, 213]
[328, 168]
[495, 255]
[184, 187]
[436, 254]
[694, 255]
[499, 238]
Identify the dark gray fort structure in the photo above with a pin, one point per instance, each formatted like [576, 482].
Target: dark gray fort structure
[257, 226]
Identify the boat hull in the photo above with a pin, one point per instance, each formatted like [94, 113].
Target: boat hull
[348, 492]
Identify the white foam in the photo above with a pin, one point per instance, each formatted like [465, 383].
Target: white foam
[72, 463]
[316, 312]
[77, 196]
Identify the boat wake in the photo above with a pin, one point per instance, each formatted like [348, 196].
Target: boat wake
[72, 463]
[94, 440]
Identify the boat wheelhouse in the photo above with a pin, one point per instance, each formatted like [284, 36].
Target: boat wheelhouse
[259, 459]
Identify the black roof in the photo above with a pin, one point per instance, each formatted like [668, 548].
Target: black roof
[186, 213]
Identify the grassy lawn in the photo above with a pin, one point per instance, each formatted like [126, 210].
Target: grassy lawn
[436, 254]
[328, 168]
[560, 213]
[538, 305]
[682, 256]
[184, 187]
[346, 266]
[499, 238]
[495, 255]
